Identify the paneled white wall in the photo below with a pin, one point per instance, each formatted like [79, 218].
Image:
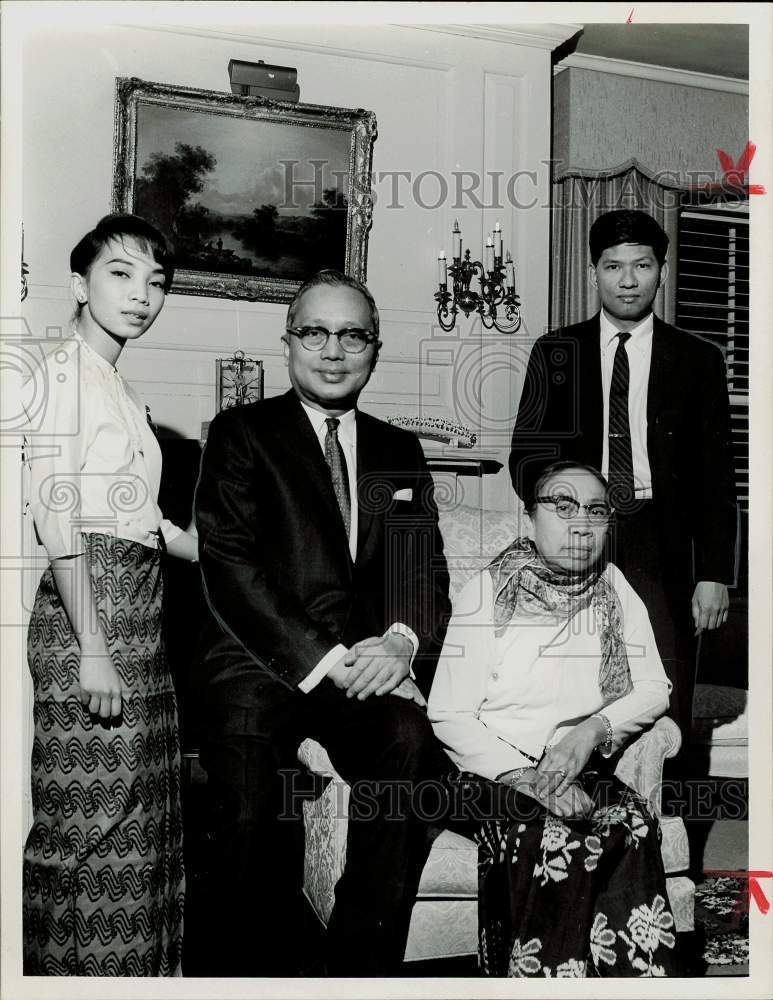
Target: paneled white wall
[444, 105]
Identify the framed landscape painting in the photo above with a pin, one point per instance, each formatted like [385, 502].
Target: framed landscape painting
[255, 195]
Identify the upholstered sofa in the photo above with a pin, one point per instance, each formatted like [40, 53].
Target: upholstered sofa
[719, 745]
[444, 918]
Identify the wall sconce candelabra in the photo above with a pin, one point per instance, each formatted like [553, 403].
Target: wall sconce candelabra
[497, 302]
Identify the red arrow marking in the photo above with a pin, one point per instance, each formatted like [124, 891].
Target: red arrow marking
[736, 173]
[753, 889]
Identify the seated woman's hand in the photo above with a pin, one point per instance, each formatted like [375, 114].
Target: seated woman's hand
[563, 763]
[571, 803]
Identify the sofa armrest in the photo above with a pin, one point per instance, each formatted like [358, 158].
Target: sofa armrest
[314, 756]
[641, 765]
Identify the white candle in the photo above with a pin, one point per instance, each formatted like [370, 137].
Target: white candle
[509, 271]
[442, 268]
[457, 235]
[498, 241]
[489, 258]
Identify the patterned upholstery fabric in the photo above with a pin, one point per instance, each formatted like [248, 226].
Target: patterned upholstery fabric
[641, 765]
[451, 869]
[442, 928]
[325, 828]
[444, 923]
[681, 896]
[472, 537]
[674, 846]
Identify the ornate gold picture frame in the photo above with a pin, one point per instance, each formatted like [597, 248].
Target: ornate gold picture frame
[255, 195]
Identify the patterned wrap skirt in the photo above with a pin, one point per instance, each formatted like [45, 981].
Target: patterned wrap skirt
[576, 898]
[103, 864]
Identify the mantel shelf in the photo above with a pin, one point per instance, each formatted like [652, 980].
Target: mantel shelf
[464, 465]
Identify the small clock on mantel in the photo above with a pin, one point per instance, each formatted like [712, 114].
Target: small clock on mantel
[239, 380]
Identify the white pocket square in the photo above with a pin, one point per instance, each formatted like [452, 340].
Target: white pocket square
[406, 494]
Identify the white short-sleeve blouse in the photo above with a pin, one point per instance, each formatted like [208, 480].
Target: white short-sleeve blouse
[93, 461]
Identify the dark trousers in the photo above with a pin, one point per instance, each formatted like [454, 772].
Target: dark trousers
[383, 747]
[664, 582]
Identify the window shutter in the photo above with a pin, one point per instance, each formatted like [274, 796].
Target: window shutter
[713, 301]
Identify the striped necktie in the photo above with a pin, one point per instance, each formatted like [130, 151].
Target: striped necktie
[620, 451]
[334, 456]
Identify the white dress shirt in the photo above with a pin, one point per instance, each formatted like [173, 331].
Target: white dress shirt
[497, 702]
[93, 462]
[639, 351]
[347, 436]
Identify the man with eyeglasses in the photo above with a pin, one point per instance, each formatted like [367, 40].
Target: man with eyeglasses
[323, 565]
[647, 405]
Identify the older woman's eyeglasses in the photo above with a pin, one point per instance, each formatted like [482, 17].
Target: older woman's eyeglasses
[352, 340]
[568, 507]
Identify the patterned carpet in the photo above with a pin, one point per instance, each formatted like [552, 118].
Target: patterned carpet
[725, 925]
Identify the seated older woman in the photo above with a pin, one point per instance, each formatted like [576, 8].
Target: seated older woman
[548, 668]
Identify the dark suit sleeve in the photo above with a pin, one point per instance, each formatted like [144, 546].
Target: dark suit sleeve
[271, 626]
[539, 433]
[716, 511]
[401, 573]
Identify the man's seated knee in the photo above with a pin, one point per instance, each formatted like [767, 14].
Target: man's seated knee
[405, 723]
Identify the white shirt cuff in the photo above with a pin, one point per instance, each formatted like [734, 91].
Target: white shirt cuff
[169, 530]
[322, 669]
[408, 632]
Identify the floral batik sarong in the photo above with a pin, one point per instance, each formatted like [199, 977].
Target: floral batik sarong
[581, 898]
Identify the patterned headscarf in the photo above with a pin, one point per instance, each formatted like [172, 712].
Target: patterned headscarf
[523, 582]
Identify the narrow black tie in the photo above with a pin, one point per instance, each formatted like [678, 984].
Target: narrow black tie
[334, 456]
[620, 451]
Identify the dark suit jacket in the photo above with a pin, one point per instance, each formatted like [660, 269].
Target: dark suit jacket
[274, 554]
[560, 416]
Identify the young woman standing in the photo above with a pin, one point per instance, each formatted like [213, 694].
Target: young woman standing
[103, 864]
